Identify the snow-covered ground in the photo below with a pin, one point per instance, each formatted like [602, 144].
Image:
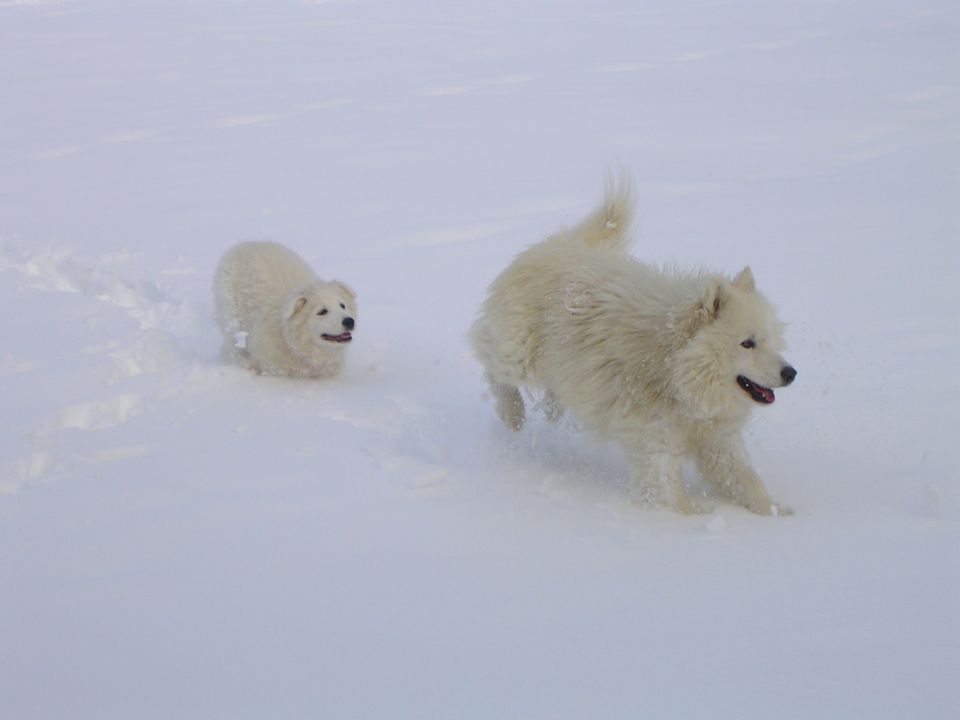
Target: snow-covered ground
[180, 539]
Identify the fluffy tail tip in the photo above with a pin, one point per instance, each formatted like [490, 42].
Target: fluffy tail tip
[610, 224]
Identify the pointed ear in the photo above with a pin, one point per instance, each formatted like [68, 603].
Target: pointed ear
[712, 301]
[293, 305]
[345, 289]
[744, 280]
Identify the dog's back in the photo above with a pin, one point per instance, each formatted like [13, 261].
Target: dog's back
[254, 276]
[509, 333]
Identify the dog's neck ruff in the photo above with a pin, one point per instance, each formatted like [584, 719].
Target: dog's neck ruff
[318, 360]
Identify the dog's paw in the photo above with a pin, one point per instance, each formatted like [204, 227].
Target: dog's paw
[513, 423]
[778, 510]
[655, 498]
[685, 506]
[770, 508]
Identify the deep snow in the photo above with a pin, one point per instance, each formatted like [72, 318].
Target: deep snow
[181, 539]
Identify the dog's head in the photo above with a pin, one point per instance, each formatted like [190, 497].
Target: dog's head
[320, 315]
[732, 360]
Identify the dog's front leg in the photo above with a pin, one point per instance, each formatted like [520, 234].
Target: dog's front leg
[722, 461]
[655, 472]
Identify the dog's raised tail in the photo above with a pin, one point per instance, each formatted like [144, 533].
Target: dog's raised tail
[608, 227]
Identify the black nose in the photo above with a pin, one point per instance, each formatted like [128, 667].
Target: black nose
[788, 374]
[348, 323]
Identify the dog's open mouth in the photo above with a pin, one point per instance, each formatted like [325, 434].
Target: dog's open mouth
[344, 337]
[759, 393]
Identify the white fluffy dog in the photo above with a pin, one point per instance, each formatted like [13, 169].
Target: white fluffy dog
[277, 317]
[666, 363]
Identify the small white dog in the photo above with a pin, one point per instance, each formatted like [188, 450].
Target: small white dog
[666, 363]
[277, 317]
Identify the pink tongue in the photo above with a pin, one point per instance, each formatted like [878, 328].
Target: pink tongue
[767, 394]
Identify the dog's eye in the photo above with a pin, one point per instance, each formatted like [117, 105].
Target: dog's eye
[749, 344]
[322, 312]
[342, 306]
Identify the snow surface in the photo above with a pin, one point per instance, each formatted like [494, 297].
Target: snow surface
[180, 539]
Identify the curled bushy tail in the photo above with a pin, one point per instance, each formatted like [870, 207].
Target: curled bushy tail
[608, 227]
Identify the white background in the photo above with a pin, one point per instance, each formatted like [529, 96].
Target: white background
[180, 539]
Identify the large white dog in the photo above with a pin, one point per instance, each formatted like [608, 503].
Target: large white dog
[277, 317]
[666, 363]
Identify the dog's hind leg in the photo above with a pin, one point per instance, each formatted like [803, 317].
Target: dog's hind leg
[510, 407]
[551, 407]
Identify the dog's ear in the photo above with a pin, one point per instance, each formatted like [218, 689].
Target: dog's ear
[712, 301]
[293, 305]
[744, 280]
[345, 289]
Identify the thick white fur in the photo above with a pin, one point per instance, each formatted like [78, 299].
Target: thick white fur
[645, 357]
[267, 303]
